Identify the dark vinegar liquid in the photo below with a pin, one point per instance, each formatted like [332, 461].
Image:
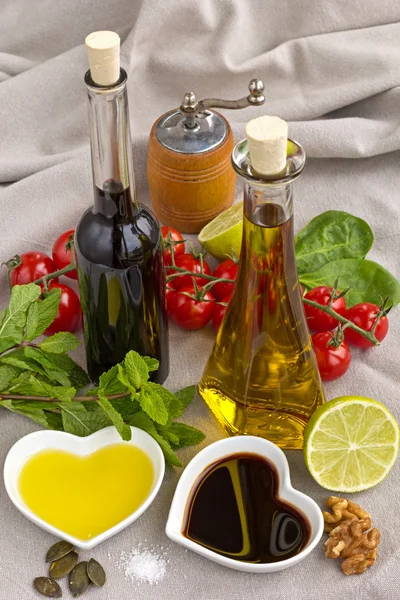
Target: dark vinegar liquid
[235, 510]
[121, 281]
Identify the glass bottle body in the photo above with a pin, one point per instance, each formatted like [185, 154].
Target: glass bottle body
[261, 378]
[119, 249]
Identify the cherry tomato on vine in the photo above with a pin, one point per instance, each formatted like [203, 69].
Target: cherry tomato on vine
[171, 235]
[69, 311]
[332, 362]
[188, 312]
[169, 293]
[226, 270]
[318, 320]
[61, 255]
[192, 264]
[34, 265]
[219, 311]
[364, 315]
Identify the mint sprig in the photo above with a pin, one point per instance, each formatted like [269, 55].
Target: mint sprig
[42, 382]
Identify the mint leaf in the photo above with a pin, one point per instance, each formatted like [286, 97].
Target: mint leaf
[122, 428]
[136, 369]
[41, 314]
[36, 414]
[109, 383]
[79, 421]
[32, 386]
[13, 319]
[126, 407]
[152, 363]
[152, 403]
[59, 343]
[17, 359]
[53, 372]
[186, 395]
[172, 404]
[170, 437]
[77, 376]
[187, 435]
[143, 421]
[124, 381]
[7, 374]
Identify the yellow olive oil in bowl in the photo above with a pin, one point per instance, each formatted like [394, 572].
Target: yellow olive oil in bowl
[84, 496]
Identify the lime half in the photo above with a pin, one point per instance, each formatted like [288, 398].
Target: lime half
[224, 233]
[351, 443]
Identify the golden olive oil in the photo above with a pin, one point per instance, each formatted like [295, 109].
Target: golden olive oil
[261, 378]
[86, 495]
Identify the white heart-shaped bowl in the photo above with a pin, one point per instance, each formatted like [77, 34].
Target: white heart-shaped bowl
[81, 446]
[224, 448]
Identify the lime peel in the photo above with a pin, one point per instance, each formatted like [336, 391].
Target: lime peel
[351, 443]
[223, 235]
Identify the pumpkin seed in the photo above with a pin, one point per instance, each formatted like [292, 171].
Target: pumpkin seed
[47, 587]
[58, 550]
[96, 573]
[64, 565]
[78, 579]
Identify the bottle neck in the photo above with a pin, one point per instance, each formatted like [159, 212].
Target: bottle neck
[111, 149]
[268, 205]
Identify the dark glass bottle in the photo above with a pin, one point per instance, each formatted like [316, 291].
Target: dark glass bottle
[119, 247]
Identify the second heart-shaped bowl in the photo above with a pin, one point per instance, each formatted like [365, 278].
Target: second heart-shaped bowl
[215, 453]
[81, 446]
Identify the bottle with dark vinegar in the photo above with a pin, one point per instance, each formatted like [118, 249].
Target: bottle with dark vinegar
[261, 377]
[118, 241]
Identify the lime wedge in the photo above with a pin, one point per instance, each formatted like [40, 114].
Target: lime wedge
[224, 233]
[351, 443]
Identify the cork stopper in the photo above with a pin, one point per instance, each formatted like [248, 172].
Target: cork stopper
[267, 142]
[102, 49]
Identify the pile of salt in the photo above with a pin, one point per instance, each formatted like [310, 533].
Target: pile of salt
[143, 565]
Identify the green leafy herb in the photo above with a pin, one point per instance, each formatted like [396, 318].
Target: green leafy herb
[13, 319]
[78, 420]
[59, 343]
[331, 236]
[368, 281]
[42, 314]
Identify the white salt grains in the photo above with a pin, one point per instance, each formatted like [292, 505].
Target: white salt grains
[144, 565]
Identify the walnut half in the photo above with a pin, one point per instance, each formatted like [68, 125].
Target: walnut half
[349, 537]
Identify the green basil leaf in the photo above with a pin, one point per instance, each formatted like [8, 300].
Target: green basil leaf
[41, 314]
[368, 281]
[331, 236]
[79, 421]
[122, 428]
[59, 343]
[13, 319]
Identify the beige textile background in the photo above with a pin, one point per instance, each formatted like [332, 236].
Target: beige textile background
[332, 69]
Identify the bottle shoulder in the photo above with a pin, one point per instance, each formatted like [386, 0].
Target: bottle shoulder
[117, 242]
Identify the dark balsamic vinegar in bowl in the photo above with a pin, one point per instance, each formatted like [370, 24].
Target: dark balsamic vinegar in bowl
[235, 510]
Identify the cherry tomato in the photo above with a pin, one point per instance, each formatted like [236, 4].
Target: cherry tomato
[62, 256]
[219, 311]
[34, 265]
[318, 320]
[226, 270]
[192, 264]
[169, 293]
[174, 236]
[69, 311]
[332, 362]
[189, 313]
[364, 315]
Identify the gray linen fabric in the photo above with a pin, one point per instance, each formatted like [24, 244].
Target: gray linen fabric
[332, 69]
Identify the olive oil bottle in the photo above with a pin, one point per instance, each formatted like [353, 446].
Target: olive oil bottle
[261, 377]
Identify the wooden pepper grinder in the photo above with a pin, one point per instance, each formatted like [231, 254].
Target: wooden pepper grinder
[189, 160]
